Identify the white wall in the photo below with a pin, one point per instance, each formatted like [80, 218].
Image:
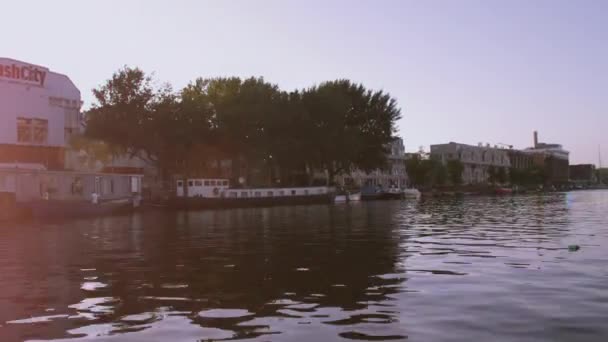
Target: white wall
[22, 98]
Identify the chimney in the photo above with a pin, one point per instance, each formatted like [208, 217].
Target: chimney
[535, 139]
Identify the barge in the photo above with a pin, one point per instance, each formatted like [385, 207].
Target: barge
[208, 193]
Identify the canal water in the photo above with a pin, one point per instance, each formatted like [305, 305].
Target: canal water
[461, 269]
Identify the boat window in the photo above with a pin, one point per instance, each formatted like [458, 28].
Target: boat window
[270, 194]
[198, 183]
[212, 183]
[206, 183]
[281, 193]
[180, 183]
[257, 193]
[306, 192]
[293, 192]
[244, 194]
[233, 194]
[190, 183]
[225, 183]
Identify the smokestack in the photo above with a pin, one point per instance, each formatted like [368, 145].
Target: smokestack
[535, 139]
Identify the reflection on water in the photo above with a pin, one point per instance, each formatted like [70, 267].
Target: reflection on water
[436, 270]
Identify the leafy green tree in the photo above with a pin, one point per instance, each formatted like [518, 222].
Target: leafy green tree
[501, 175]
[337, 126]
[455, 169]
[426, 172]
[415, 172]
[133, 115]
[350, 127]
[492, 174]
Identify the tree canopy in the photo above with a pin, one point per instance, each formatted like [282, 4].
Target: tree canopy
[336, 126]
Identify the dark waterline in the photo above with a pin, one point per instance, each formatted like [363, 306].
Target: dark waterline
[469, 269]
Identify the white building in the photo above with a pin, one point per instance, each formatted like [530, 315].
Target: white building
[40, 111]
[394, 175]
[476, 159]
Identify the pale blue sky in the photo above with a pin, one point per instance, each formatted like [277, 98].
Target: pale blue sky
[466, 71]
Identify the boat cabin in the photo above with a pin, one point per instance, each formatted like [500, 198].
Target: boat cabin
[220, 188]
[201, 187]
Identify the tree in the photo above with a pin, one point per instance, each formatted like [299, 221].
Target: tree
[135, 116]
[337, 126]
[415, 171]
[350, 127]
[455, 169]
[492, 174]
[501, 175]
[426, 172]
[93, 152]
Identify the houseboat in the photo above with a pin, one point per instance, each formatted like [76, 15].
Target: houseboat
[43, 194]
[203, 193]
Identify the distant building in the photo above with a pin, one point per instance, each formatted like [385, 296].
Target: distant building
[583, 174]
[476, 160]
[602, 175]
[394, 175]
[520, 160]
[553, 158]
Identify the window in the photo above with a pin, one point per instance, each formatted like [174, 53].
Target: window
[24, 130]
[105, 186]
[32, 130]
[281, 193]
[206, 183]
[244, 194]
[212, 183]
[225, 183]
[293, 192]
[77, 187]
[198, 183]
[257, 194]
[306, 192]
[190, 183]
[233, 194]
[135, 184]
[270, 194]
[180, 183]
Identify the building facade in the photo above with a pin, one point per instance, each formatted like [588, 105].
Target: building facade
[583, 174]
[553, 159]
[394, 175]
[476, 160]
[520, 160]
[40, 112]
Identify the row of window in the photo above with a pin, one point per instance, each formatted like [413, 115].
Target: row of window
[471, 156]
[245, 194]
[206, 183]
[57, 101]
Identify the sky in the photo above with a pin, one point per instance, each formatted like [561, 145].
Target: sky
[464, 71]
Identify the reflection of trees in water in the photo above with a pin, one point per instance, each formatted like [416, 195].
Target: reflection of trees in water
[333, 256]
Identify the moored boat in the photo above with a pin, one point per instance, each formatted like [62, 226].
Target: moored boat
[411, 193]
[503, 191]
[347, 197]
[217, 194]
[377, 193]
[354, 197]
